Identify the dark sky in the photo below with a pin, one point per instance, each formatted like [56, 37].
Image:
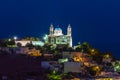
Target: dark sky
[94, 21]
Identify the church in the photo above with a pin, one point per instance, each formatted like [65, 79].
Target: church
[56, 36]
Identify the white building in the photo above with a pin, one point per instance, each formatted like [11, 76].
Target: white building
[35, 43]
[73, 67]
[56, 37]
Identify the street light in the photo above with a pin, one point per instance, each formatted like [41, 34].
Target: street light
[15, 38]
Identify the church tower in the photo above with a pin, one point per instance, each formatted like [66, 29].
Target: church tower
[51, 29]
[69, 33]
[69, 30]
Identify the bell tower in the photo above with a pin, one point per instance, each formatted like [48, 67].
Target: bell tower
[51, 29]
[69, 32]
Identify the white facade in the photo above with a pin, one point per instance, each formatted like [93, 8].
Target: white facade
[36, 43]
[72, 67]
[56, 37]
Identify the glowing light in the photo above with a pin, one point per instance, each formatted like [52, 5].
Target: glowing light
[107, 56]
[93, 50]
[96, 68]
[117, 66]
[15, 38]
[63, 60]
[45, 37]
[77, 59]
[86, 64]
[9, 39]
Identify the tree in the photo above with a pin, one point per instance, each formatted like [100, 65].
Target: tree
[10, 43]
[54, 76]
[117, 66]
[7, 43]
[85, 47]
[3, 43]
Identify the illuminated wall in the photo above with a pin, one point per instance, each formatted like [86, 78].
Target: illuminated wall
[36, 43]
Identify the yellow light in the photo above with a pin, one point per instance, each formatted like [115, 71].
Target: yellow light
[92, 50]
[96, 68]
[77, 59]
[107, 56]
[86, 63]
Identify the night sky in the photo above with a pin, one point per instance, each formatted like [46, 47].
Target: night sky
[94, 21]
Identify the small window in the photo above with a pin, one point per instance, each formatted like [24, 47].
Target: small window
[52, 40]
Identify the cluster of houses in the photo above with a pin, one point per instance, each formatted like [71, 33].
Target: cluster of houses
[72, 62]
[68, 58]
[21, 50]
[76, 61]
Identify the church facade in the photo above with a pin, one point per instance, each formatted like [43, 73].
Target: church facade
[56, 36]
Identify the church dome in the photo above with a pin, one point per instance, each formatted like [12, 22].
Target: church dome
[58, 31]
[58, 28]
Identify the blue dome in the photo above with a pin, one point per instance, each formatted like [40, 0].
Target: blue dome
[58, 29]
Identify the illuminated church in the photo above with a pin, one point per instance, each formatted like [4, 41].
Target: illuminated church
[56, 37]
